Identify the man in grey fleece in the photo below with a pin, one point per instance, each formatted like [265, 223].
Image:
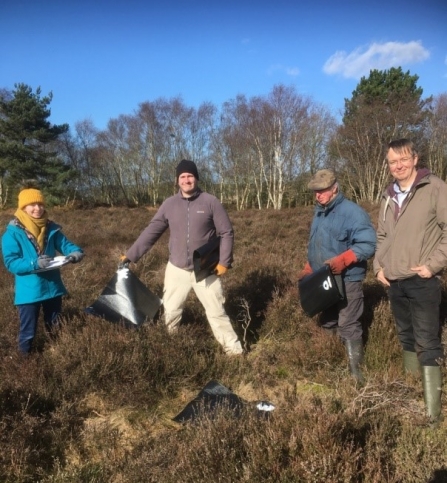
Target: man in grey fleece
[194, 218]
[410, 256]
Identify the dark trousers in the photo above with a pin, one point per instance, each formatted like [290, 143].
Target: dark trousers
[415, 303]
[29, 316]
[345, 316]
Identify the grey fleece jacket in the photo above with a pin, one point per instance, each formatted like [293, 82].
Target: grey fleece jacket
[192, 222]
[417, 233]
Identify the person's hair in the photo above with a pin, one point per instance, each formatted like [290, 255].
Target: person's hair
[402, 145]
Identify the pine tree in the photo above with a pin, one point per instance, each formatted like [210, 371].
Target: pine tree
[27, 143]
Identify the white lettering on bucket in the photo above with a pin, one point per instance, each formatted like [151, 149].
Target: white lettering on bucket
[327, 284]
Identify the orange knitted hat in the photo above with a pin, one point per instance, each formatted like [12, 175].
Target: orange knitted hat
[29, 196]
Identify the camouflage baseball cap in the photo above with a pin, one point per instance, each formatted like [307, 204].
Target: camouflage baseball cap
[322, 180]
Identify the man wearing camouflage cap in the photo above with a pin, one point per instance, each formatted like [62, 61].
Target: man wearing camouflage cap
[342, 237]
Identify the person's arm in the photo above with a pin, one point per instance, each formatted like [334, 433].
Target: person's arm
[438, 259]
[224, 229]
[17, 260]
[363, 238]
[381, 236]
[362, 243]
[146, 240]
[63, 245]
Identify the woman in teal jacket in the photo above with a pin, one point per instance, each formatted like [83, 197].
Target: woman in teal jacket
[29, 244]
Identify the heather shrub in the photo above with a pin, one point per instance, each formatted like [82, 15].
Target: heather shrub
[97, 402]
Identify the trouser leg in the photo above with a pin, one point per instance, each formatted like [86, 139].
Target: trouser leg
[349, 324]
[411, 363]
[210, 294]
[177, 286]
[415, 304]
[350, 328]
[52, 309]
[29, 316]
[345, 316]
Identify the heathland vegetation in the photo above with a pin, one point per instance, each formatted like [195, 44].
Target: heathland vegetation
[96, 403]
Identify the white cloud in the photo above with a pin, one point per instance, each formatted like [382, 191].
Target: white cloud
[359, 62]
[292, 71]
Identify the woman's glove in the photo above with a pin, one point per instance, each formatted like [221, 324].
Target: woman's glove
[43, 261]
[75, 257]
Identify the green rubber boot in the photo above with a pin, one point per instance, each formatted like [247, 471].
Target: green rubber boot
[411, 363]
[432, 385]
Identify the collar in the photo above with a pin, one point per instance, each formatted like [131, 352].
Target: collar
[420, 175]
[330, 206]
[193, 197]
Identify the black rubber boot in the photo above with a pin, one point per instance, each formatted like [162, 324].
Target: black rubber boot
[432, 384]
[411, 363]
[354, 349]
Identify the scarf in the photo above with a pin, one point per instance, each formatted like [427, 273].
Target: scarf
[35, 226]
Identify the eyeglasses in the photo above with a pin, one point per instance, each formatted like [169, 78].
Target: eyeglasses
[406, 160]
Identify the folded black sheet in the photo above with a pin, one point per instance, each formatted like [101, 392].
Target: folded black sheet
[125, 299]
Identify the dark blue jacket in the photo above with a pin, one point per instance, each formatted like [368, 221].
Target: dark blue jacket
[337, 227]
[20, 257]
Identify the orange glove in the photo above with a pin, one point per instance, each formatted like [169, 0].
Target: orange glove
[307, 270]
[124, 262]
[220, 270]
[342, 261]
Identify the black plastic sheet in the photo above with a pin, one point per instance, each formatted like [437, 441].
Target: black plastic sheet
[215, 396]
[212, 397]
[319, 291]
[125, 299]
[206, 258]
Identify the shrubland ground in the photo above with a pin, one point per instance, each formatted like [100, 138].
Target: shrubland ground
[96, 404]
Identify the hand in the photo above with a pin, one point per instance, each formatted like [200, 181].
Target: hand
[43, 261]
[123, 263]
[422, 271]
[220, 270]
[75, 257]
[342, 261]
[307, 270]
[381, 278]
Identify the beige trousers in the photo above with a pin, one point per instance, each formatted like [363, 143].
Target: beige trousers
[178, 283]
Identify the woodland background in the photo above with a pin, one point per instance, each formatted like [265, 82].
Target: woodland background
[256, 152]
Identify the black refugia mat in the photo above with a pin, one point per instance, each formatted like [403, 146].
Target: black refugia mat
[125, 299]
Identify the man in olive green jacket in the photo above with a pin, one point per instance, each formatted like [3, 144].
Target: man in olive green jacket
[410, 255]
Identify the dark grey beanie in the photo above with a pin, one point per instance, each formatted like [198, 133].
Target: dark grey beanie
[187, 166]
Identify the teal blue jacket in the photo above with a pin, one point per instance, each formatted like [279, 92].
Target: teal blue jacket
[20, 258]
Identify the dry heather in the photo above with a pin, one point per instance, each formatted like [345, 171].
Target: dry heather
[96, 404]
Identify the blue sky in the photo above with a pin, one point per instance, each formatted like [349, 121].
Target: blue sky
[102, 58]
